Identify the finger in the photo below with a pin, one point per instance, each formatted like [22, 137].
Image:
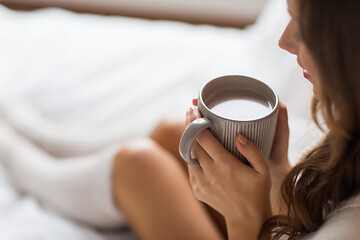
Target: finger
[208, 141]
[192, 175]
[198, 152]
[281, 138]
[194, 113]
[187, 119]
[195, 102]
[195, 172]
[196, 178]
[252, 153]
[190, 116]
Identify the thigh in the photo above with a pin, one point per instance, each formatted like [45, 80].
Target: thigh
[168, 134]
[153, 193]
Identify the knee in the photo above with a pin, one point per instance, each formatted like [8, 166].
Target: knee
[135, 156]
[142, 159]
[169, 127]
[134, 169]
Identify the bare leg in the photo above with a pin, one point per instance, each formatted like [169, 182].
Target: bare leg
[168, 133]
[153, 193]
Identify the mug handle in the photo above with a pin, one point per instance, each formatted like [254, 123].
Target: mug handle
[189, 136]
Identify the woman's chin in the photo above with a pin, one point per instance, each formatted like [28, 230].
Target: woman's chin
[316, 93]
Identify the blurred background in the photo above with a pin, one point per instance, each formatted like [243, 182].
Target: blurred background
[237, 13]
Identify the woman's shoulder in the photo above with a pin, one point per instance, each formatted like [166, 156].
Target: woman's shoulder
[342, 223]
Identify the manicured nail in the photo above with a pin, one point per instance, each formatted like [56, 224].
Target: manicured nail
[243, 140]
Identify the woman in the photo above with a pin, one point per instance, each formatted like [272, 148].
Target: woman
[316, 199]
[319, 196]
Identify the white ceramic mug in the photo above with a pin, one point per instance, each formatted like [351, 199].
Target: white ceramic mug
[230, 105]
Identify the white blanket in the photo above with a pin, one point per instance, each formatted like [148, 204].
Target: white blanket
[75, 83]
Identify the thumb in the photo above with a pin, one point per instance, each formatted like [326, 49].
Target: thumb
[280, 146]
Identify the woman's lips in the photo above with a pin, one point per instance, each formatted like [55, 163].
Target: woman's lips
[306, 75]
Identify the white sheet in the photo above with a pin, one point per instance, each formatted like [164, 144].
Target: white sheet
[74, 83]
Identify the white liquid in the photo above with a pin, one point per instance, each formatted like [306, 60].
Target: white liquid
[242, 109]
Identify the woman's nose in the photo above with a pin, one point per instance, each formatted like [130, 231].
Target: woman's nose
[287, 41]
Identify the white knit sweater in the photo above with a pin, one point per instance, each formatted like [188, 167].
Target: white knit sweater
[342, 223]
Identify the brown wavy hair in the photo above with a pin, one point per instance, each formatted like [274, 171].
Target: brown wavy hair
[329, 173]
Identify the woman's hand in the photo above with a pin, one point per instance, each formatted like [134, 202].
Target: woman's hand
[238, 191]
[279, 161]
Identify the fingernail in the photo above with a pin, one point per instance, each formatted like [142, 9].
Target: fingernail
[243, 140]
[192, 155]
[191, 110]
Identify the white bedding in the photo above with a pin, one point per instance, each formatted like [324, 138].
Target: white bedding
[75, 83]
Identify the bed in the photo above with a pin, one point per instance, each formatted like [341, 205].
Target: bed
[73, 84]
